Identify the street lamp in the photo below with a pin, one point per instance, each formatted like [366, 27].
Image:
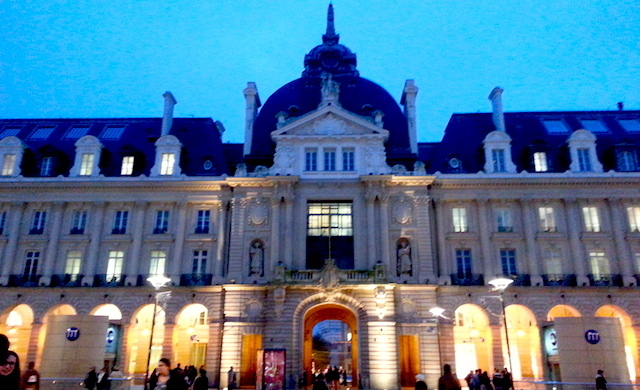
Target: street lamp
[501, 284]
[437, 312]
[157, 281]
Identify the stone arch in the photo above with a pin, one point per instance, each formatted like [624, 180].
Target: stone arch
[191, 335]
[16, 322]
[562, 311]
[628, 334]
[524, 342]
[139, 336]
[472, 338]
[109, 310]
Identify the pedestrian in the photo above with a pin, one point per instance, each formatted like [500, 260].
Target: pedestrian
[201, 382]
[497, 379]
[10, 371]
[601, 383]
[31, 378]
[319, 383]
[103, 379]
[91, 379]
[448, 381]
[165, 379]
[232, 379]
[507, 381]
[485, 381]
[420, 383]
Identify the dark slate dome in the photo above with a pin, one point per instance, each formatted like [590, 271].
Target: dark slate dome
[357, 95]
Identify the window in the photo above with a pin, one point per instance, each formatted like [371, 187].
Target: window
[634, 218]
[120, 222]
[112, 132]
[540, 162]
[498, 160]
[202, 224]
[463, 262]
[114, 266]
[8, 164]
[627, 160]
[42, 133]
[584, 160]
[636, 256]
[3, 221]
[348, 160]
[46, 166]
[555, 126]
[38, 221]
[329, 160]
[594, 126]
[503, 220]
[311, 160]
[460, 224]
[162, 222]
[599, 263]
[630, 125]
[79, 222]
[591, 219]
[158, 260]
[166, 167]
[31, 264]
[127, 166]
[330, 234]
[547, 219]
[552, 261]
[199, 262]
[10, 131]
[86, 165]
[508, 261]
[74, 259]
[76, 132]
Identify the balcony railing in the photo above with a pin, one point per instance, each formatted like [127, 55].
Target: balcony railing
[36, 231]
[467, 279]
[24, 280]
[605, 280]
[108, 280]
[347, 276]
[66, 280]
[76, 231]
[521, 279]
[559, 280]
[196, 279]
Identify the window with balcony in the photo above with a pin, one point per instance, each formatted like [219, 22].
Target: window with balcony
[120, 220]
[162, 222]
[540, 162]
[503, 220]
[86, 164]
[203, 221]
[8, 164]
[31, 264]
[508, 261]
[547, 218]
[552, 261]
[584, 160]
[199, 262]
[79, 222]
[127, 166]
[38, 222]
[74, 260]
[157, 263]
[114, 266]
[464, 263]
[330, 234]
[46, 166]
[633, 213]
[311, 160]
[460, 224]
[330, 160]
[3, 221]
[591, 219]
[599, 263]
[168, 162]
[348, 160]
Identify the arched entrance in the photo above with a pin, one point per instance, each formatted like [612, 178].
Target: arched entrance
[16, 324]
[330, 311]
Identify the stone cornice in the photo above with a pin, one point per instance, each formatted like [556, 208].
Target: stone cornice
[112, 183]
[482, 182]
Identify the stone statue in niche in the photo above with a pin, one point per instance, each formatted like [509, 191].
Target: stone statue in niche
[330, 91]
[256, 258]
[405, 264]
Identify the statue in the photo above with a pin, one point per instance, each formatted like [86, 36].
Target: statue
[330, 91]
[404, 257]
[256, 259]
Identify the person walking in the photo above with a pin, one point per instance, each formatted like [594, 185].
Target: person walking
[201, 382]
[31, 378]
[91, 379]
[448, 381]
[232, 379]
[601, 383]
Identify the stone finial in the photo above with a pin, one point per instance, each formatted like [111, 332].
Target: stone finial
[408, 100]
[167, 116]
[498, 113]
[330, 37]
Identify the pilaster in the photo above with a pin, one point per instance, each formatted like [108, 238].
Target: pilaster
[485, 229]
[615, 211]
[574, 224]
[424, 263]
[139, 227]
[97, 224]
[57, 209]
[178, 246]
[17, 211]
[532, 258]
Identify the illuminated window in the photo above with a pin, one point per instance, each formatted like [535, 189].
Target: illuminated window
[540, 162]
[348, 160]
[38, 222]
[508, 261]
[330, 234]
[79, 222]
[86, 165]
[584, 160]
[460, 224]
[464, 263]
[166, 167]
[634, 218]
[636, 257]
[127, 166]
[591, 219]
[599, 263]
[330, 160]
[311, 160]
[503, 220]
[114, 266]
[162, 222]
[552, 261]
[547, 219]
[199, 262]
[74, 259]
[330, 219]
[157, 263]
[46, 166]
[498, 160]
[202, 223]
[120, 222]
[8, 164]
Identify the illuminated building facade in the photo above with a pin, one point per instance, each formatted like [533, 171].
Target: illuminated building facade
[330, 210]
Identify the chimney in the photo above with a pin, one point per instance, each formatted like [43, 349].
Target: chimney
[252, 100]
[408, 100]
[167, 116]
[496, 104]
[620, 106]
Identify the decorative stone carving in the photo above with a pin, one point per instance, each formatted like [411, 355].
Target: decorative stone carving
[256, 258]
[241, 170]
[258, 212]
[405, 263]
[402, 211]
[253, 308]
[279, 296]
[283, 161]
[330, 91]
[375, 160]
[407, 308]
[329, 274]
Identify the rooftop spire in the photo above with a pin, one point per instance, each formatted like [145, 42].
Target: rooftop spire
[330, 37]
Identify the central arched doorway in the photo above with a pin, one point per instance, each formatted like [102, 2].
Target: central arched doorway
[324, 312]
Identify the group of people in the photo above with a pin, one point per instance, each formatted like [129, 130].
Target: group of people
[329, 378]
[480, 380]
[11, 377]
[164, 377]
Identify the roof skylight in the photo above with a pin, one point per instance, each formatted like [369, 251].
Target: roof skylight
[556, 126]
[76, 132]
[112, 132]
[9, 131]
[630, 125]
[42, 132]
[594, 126]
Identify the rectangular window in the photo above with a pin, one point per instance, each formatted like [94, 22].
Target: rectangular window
[633, 213]
[599, 263]
[348, 160]
[503, 220]
[508, 261]
[166, 167]
[555, 126]
[630, 125]
[42, 133]
[591, 219]
[311, 160]
[38, 222]
[31, 263]
[120, 222]
[460, 224]
[594, 126]
[636, 257]
[86, 164]
[127, 166]
[463, 263]
[202, 224]
[627, 160]
[8, 164]
[199, 262]
[330, 234]
[162, 222]
[3, 221]
[329, 160]
[540, 162]
[552, 261]
[498, 160]
[79, 222]
[584, 160]
[114, 266]
[46, 167]
[547, 219]
[157, 263]
[74, 259]
[76, 132]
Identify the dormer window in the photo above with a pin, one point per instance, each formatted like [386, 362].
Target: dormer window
[584, 160]
[498, 160]
[582, 145]
[168, 161]
[86, 166]
[330, 160]
[46, 166]
[127, 166]
[311, 160]
[540, 162]
[168, 149]
[88, 150]
[497, 153]
[11, 151]
[8, 164]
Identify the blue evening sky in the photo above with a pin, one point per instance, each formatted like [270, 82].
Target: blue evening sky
[98, 58]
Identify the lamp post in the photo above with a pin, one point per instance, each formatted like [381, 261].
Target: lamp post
[501, 284]
[437, 313]
[157, 281]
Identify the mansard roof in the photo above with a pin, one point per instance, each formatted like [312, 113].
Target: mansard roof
[465, 133]
[200, 137]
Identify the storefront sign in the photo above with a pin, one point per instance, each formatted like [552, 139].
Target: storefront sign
[592, 336]
[551, 341]
[73, 333]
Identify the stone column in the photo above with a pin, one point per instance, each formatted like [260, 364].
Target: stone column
[139, 229]
[57, 209]
[222, 223]
[444, 265]
[34, 339]
[288, 230]
[531, 259]
[485, 228]
[176, 258]
[384, 231]
[615, 213]
[275, 231]
[373, 251]
[574, 225]
[383, 370]
[98, 221]
[498, 352]
[237, 249]
[167, 342]
[124, 354]
[423, 259]
[15, 219]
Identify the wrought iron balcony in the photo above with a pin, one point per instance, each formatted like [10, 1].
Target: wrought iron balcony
[160, 230]
[36, 231]
[467, 279]
[196, 279]
[119, 231]
[559, 280]
[521, 279]
[24, 280]
[349, 276]
[605, 280]
[66, 280]
[108, 280]
[76, 231]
